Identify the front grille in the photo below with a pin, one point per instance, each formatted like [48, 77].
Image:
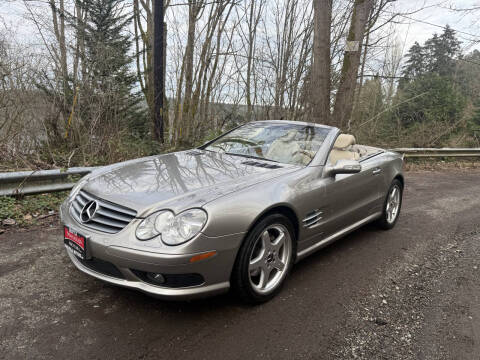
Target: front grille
[109, 217]
[102, 267]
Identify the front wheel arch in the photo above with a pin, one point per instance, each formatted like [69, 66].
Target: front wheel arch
[278, 209]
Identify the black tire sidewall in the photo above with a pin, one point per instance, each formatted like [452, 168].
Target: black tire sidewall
[383, 222]
[240, 275]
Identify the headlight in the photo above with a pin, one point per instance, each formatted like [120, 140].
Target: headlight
[174, 230]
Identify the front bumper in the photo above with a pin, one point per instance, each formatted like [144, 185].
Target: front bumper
[131, 257]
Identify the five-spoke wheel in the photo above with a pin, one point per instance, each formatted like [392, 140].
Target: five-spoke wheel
[264, 259]
[392, 206]
[393, 203]
[269, 258]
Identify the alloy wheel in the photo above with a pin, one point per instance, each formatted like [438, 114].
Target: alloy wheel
[270, 258]
[393, 204]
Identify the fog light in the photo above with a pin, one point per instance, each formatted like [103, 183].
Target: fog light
[156, 278]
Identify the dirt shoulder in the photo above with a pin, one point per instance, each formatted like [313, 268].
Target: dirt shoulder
[427, 307]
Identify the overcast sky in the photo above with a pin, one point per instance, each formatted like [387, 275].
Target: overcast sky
[417, 29]
[413, 29]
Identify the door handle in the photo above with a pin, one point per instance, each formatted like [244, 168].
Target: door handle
[376, 171]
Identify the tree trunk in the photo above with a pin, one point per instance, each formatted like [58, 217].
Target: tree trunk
[189, 52]
[253, 20]
[158, 69]
[59, 30]
[351, 62]
[320, 85]
[360, 85]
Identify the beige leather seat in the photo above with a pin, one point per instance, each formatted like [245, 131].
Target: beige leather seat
[342, 149]
[287, 150]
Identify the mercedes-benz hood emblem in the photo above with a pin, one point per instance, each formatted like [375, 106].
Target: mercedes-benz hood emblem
[88, 211]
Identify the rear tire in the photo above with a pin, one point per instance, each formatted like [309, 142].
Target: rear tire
[391, 206]
[264, 260]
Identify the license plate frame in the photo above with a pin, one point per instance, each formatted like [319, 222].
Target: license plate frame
[75, 242]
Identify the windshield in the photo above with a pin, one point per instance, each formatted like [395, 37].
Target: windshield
[280, 142]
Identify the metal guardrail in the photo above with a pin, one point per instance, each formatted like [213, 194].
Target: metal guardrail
[445, 152]
[41, 181]
[45, 181]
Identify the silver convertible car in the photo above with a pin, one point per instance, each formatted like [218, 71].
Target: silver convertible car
[237, 212]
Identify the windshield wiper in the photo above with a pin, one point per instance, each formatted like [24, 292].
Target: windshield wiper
[250, 156]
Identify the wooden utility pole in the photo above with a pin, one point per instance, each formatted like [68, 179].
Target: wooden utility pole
[158, 68]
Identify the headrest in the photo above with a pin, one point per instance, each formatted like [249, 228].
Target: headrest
[344, 141]
[289, 136]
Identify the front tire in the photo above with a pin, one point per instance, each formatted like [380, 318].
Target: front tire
[392, 206]
[264, 259]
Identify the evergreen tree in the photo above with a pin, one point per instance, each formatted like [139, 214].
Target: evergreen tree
[431, 98]
[415, 65]
[442, 51]
[475, 119]
[110, 82]
[468, 75]
[437, 56]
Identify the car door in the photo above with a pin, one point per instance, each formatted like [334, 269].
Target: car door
[350, 198]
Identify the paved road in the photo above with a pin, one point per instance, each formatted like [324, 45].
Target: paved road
[413, 292]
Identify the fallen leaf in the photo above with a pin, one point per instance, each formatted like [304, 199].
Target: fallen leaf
[9, 222]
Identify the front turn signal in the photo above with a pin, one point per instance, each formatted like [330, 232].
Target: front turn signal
[203, 256]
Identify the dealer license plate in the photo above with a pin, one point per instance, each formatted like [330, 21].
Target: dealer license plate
[76, 242]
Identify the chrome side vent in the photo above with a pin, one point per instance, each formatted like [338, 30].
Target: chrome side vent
[312, 219]
[262, 165]
[103, 216]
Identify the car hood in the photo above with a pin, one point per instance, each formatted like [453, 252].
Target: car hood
[179, 180]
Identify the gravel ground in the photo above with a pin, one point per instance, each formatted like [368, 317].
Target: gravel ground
[411, 293]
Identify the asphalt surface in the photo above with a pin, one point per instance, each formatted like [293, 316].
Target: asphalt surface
[410, 293]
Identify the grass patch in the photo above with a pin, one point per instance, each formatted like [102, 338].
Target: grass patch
[28, 210]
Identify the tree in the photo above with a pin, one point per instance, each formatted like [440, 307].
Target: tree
[109, 83]
[468, 74]
[442, 51]
[351, 61]
[321, 75]
[438, 55]
[476, 114]
[415, 65]
[58, 19]
[362, 17]
[253, 10]
[433, 99]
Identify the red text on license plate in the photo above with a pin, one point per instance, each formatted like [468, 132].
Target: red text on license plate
[79, 240]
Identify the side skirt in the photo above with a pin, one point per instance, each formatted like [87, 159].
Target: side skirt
[321, 244]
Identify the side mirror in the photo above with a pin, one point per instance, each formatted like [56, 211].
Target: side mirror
[343, 167]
